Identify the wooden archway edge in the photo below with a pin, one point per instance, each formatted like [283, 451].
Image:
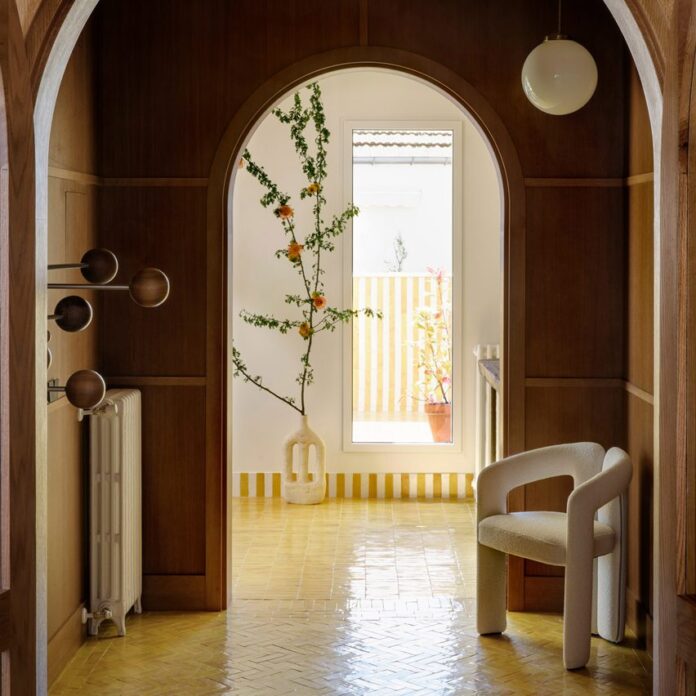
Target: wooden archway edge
[492, 129]
[221, 178]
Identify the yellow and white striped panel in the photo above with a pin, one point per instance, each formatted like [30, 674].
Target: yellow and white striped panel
[385, 354]
[352, 485]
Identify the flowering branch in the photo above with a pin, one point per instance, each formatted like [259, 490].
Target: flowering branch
[315, 313]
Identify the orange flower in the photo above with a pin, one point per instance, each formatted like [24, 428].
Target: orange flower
[241, 163]
[294, 251]
[305, 330]
[318, 300]
[284, 212]
[313, 188]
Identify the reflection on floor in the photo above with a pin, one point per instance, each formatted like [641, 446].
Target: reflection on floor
[349, 597]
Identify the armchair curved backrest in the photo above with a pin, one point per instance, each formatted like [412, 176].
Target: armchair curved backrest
[581, 460]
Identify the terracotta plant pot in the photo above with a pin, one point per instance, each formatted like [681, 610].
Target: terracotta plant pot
[440, 420]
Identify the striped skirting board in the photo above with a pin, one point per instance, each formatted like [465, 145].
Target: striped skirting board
[386, 486]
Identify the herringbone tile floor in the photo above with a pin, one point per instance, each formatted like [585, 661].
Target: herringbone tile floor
[349, 597]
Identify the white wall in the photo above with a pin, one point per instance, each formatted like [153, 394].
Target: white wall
[259, 281]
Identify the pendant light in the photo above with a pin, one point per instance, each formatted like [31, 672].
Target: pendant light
[559, 75]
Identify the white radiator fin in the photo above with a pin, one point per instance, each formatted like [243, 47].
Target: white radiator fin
[115, 509]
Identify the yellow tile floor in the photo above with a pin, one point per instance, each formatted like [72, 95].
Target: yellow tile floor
[348, 597]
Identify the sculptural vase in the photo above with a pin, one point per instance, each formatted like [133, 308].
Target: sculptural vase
[304, 487]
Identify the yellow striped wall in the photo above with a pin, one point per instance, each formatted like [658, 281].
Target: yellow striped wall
[384, 486]
[385, 355]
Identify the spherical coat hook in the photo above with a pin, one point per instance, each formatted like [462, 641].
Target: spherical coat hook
[149, 287]
[97, 266]
[85, 389]
[72, 314]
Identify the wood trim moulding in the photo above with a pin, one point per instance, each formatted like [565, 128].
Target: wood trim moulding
[590, 382]
[65, 643]
[636, 179]
[640, 393]
[162, 182]
[575, 382]
[125, 182]
[149, 381]
[581, 182]
[73, 175]
[589, 182]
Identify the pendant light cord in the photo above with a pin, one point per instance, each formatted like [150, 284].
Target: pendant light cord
[558, 34]
[559, 16]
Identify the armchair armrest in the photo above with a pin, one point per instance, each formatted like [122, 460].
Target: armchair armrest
[580, 460]
[601, 489]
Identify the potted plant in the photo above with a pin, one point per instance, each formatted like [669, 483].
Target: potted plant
[313, 314]
[434, 356]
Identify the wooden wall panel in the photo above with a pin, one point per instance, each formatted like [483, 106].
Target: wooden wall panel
[66, 516]
[167, 101]
[640, 311]
[639, 143]
[575, 282]
[173, 480]
[164, 104]
[73, 131]
[163, 227]
[468, 36]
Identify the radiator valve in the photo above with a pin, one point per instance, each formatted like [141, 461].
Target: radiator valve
[100, 615]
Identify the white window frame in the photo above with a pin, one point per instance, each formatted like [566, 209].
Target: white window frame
[456, 446]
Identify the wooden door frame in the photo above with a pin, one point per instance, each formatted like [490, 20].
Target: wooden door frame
[22, 600]
[494, 132]
[50, 41]
[677, 532]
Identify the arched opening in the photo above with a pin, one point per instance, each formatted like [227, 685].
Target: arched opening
[512, 216]
[216, 213]
[367, 436]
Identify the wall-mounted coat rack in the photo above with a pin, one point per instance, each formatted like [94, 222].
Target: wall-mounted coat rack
[84, 389]
[149, 287]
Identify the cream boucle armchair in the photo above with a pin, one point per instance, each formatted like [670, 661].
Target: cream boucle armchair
[594, 527]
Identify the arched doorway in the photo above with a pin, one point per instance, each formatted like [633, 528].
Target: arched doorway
[214, 354]
[502, 150]
[351, 93]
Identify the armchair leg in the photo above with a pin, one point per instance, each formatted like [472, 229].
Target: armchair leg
[491, 581]
[611, 597]
[577, 615]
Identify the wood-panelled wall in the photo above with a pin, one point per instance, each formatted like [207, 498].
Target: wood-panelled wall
[639, 359]
[72, 216]
[163, 105]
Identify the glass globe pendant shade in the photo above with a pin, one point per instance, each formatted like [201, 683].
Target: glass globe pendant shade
[559, 76]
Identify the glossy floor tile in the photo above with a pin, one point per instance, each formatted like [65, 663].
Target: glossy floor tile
[348, 597]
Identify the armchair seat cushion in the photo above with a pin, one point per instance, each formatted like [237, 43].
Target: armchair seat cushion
[539, 536]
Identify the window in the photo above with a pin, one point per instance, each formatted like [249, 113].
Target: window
[402, 388]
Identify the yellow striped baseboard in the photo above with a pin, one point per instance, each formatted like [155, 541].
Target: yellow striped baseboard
[385, 486]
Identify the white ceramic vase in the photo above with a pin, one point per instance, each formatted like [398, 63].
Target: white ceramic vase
[298, 486]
